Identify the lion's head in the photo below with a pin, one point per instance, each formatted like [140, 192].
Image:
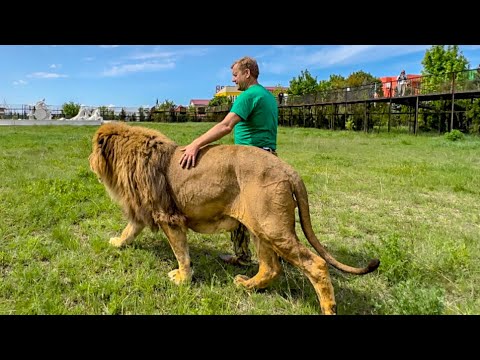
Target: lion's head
[132, 166]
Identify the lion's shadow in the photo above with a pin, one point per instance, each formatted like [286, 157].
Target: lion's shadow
[292, 284]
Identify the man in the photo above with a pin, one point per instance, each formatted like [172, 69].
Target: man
[401, 83]
[254, 119]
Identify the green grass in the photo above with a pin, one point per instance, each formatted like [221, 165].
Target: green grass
[413, 202]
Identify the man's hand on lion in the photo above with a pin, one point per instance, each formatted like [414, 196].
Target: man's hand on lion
[189, 156]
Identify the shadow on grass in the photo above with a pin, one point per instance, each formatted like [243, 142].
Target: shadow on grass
[205, 260]
[351, 300]
[292, 284]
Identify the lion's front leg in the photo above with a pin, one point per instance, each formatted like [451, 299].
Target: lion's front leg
[128, 235]
[178, 241]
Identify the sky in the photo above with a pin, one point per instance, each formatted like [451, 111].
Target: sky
[134, 76]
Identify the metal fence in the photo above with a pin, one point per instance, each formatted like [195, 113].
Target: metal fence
[461, 81]
[448, 83]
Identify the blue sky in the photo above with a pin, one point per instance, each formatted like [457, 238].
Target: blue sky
[134, 76]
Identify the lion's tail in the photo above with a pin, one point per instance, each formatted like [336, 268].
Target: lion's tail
[304, 212]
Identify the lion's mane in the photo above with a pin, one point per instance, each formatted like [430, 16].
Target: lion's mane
[132, 165]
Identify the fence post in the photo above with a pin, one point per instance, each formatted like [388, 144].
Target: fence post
[453, 100]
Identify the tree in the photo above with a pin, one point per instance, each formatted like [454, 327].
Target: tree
[324, 85]
[123, 115]
[304, 84]
[474, 114]
[164, 112]
[166, 105]
[220, 100]
[70, 109]
[337, 82]
[442, 61]
[361, 78]
[141, 114]
[107, 113]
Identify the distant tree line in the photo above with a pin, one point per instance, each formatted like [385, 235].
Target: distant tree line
[439, 61]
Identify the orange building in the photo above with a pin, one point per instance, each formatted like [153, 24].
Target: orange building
[390, 83]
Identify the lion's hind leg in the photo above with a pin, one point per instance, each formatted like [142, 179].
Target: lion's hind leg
[128, 235]
[312, 265]
[177, 238]
[269, 267]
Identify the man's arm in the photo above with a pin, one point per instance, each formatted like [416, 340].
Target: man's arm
[218, 131]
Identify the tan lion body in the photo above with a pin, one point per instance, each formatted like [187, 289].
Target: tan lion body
[140, 169]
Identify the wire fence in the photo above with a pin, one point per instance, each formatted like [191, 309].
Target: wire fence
[310, 115]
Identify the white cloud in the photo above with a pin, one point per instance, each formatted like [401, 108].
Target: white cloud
[108, 46]
[319, 57]
[153, 55]
[339, 54]
[155, 60]
[55, 66]
[45, 75]
[118, 70]
[170, 54]
[20, 82]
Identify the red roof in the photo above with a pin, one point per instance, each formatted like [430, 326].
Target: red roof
[180, 108]
[199, 102]
[273, 88]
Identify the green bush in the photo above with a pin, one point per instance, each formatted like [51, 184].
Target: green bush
[454, 135]
[70, 109]
[350, 124]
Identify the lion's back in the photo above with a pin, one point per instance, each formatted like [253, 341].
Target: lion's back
[230, 167]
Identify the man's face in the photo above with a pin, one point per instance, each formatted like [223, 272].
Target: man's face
[240, 78]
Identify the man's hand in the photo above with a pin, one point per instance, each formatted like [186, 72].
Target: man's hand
[189, 156]
[216, 132]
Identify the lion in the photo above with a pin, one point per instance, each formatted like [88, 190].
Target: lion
[140, 170]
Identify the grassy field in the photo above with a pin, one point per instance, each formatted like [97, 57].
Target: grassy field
[413, 202]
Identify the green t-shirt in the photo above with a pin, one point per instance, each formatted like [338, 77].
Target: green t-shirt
[258, 109]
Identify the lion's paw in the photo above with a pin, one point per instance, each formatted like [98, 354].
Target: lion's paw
[116, 241]
[179, 277]
[241, 280]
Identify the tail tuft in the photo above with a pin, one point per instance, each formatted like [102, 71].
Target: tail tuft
[373, 265]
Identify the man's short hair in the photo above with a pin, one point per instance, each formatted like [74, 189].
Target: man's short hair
[248, 63]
